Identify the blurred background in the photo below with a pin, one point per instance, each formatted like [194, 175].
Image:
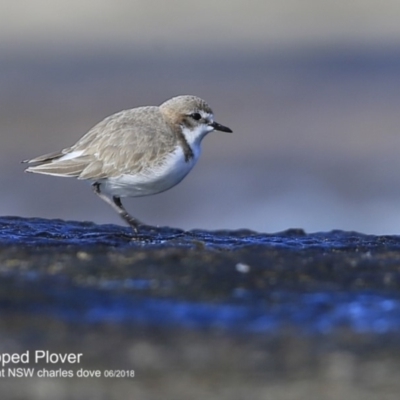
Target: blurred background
[311, 90]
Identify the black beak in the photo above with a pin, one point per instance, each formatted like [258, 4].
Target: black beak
[219, 127]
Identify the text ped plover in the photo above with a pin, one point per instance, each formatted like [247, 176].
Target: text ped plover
[137, 152]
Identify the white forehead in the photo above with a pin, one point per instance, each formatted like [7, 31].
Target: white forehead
[206, 115]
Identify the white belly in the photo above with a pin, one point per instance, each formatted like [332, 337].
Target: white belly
[153, 181]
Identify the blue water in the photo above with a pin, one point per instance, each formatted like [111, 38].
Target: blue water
[308, 313]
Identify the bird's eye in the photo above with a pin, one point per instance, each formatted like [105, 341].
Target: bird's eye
[196, 116]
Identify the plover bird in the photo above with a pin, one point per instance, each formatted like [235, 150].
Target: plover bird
[136, 152]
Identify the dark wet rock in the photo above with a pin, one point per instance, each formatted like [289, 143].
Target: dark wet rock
[254, 309]
[40, 232]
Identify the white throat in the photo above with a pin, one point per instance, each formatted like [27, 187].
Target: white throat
[196, 135]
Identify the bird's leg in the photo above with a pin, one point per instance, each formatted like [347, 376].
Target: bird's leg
[133, 222]
[116, 204]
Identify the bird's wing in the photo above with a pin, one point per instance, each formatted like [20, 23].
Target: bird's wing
[121, 143]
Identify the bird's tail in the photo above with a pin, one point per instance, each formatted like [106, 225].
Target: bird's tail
[57, 164]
